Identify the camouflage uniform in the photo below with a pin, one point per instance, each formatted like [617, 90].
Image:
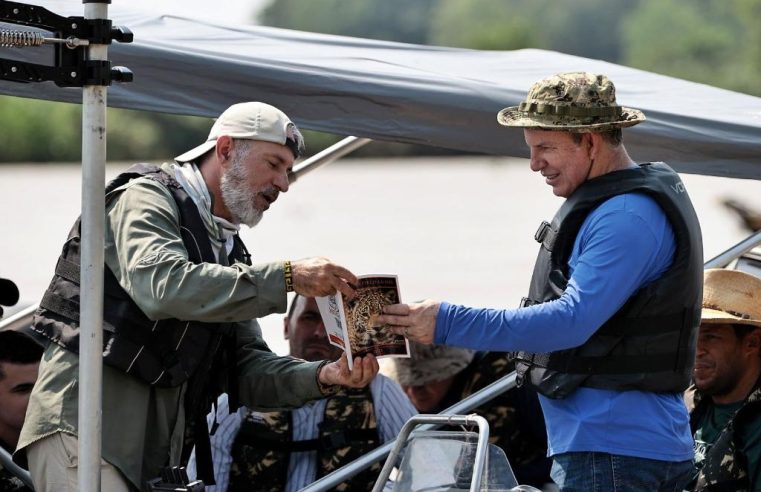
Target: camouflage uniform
[263, 445]
[724, 466]
[10, 483]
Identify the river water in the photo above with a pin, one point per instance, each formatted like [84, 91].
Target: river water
[457, 228]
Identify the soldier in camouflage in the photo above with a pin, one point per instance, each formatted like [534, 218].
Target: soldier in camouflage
[436, 377]
[725, 400]
[19, 363]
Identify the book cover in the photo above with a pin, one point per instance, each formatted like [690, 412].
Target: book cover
[351, 324]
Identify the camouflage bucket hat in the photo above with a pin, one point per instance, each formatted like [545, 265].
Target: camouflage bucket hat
[581, 102]
[429, 363]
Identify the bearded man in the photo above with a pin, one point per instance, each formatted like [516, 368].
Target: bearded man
[180, 307]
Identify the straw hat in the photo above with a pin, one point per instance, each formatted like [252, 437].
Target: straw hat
[580, 102]
[731, 296]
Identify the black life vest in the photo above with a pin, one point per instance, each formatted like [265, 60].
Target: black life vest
[649, 344]
[163, 353]
[262, 448]
[725, 466]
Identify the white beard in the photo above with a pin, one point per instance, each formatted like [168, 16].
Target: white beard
[237, 196]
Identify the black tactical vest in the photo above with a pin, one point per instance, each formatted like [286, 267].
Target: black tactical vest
[262, 448]
[163, 353]
[725, 467]
[649, 344]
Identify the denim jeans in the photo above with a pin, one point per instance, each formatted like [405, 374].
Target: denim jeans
[603, 472]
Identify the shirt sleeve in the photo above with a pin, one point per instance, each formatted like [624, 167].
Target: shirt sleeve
[618, 253]
[144, 250]
[268, 382]
[393, 408]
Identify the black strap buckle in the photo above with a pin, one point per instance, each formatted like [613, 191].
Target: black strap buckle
[334, 440]
[541, 233]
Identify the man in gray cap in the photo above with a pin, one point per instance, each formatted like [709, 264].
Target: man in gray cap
[436, 377]
[609, 327]
[180, 309]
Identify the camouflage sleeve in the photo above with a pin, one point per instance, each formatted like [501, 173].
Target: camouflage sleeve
[268, 382]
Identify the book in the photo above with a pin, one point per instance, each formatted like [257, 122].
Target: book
[351, 324]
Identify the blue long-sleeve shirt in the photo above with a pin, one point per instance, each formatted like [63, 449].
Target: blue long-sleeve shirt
[624, 244]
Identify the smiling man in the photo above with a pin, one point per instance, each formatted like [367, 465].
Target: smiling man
[180, 308]
[726, 397]
[607, 332]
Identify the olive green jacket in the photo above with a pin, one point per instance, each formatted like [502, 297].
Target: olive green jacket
[143, 426]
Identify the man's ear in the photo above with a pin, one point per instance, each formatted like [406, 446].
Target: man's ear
[224, 148]
[285, 327]
[595, 142]
[753, 340]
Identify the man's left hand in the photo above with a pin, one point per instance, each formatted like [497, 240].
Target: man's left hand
[337, 373]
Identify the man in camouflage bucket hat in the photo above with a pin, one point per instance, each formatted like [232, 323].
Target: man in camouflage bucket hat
[436, 377]
[607, 333]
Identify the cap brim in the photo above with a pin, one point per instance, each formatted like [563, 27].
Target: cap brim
[513, 117]
[196, 152]
[714, 316]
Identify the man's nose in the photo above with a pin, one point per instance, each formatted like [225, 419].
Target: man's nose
[282, 182]
[536, 163]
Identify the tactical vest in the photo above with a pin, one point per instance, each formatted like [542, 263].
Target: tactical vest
[262, 449]
[649, 344]
[725, 467]
[162, 353]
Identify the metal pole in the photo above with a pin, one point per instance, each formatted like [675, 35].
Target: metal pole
[335, 151]
[7, 462]
[734, 252]
[91, 303]
[349, 470]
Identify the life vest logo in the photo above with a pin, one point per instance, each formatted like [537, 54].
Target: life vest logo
[678, 187]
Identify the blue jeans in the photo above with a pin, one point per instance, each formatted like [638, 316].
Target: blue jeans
[603, 472]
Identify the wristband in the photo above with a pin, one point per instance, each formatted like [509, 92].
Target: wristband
[288, 274]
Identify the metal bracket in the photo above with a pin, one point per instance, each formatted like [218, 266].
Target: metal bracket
[72, 36]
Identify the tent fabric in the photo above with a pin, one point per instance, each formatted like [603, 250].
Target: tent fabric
[426, 95]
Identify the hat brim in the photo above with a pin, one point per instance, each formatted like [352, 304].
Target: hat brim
[513, 117]
[196, 152]
[714, 316]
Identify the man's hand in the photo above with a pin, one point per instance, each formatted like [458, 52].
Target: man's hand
[365, 369]
[316, 277]
[416, 321]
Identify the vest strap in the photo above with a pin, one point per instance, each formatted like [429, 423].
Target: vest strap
[325, 442]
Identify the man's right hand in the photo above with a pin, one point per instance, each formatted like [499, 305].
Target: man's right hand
[316, 277]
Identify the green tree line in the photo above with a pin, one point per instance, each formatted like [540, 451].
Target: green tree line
[717, 43]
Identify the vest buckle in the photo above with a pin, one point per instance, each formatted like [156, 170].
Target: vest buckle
[541, 233]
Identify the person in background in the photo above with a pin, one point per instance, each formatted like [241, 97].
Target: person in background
[725, 400]
[607, 332]
[436, 377]
[181, 298]
[275, 451]
[19, 363]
